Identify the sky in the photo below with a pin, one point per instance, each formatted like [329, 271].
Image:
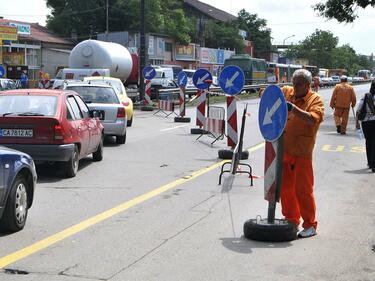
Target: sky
[285, 18]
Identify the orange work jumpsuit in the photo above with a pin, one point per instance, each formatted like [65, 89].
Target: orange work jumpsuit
[297, 196]
[342, 98]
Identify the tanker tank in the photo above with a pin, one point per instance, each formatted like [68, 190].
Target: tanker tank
[99, 54]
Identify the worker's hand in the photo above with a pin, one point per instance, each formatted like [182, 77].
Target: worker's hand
[290, 106]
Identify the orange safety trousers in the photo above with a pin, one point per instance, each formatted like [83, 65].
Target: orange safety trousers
[341, 116]
[297, 194]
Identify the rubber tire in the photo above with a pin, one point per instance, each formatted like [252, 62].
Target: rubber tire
[197, 131]
[69, 167]
[121, 139]
[129, 123]
[282, 232]
[147, 108]
[9, 221]
[180, 119]
[98, 154]
[228, 154]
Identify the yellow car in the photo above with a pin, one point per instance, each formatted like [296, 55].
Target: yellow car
[120, 89]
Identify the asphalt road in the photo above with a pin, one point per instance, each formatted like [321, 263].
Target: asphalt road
[153, 210]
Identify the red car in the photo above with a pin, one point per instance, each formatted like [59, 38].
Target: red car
[50, 125]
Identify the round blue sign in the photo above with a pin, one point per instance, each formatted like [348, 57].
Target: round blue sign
[149, 72]
[231, 80]
[199, 78]
[182, 79]
[2, 71]
[272, 113]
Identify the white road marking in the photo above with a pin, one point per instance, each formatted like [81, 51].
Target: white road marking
[169, 129]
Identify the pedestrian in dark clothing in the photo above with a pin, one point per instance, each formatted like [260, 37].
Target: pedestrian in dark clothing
[368, 125]
[24, 80]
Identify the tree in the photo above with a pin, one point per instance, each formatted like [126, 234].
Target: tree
[317, 48]
[342, 10]
[321, 50]
[223, 35]
[87, 18]
[257, 29]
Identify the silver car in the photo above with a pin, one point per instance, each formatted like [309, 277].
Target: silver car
[103, 99]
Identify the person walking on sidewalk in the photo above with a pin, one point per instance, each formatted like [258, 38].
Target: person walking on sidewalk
[306, 112]
[342, 98]
[368, 124]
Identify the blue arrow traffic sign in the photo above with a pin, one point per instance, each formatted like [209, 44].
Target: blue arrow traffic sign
[199, 78]
[2, 71]
[231, 80]
[182, 79]
[149, 72]
[272, 113]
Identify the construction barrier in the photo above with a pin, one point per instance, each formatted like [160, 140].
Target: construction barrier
[166, 105]
[232, 131]
[214, 125]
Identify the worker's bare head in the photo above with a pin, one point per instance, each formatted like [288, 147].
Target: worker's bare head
[301, 82]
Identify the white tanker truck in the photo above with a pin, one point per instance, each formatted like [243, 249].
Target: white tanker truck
[96, 58]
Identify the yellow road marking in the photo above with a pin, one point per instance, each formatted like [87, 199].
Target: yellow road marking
[42, 244]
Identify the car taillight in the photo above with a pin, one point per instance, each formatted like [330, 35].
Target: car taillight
[125, 103]
[58, 132]
[121, 112]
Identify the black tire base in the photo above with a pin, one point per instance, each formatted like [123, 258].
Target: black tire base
[147, 108]
[261, 230]
[228, 154]
[180, 119]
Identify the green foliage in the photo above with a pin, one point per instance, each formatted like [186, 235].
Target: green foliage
[223, 35]
[321, 50]
[257, 29]
[342, 10]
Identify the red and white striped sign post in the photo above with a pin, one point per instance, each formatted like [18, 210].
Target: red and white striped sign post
[270, 171]
[232, 131]
[147, 100]
[182, 101]
[201, 108]
[201, 112]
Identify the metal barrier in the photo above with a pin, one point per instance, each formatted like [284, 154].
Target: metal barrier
[166, 105]
[214, 125]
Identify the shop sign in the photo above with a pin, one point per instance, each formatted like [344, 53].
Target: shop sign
[14, 58]
[185, 52]
[8, 33]
[23, 29]
[160, 46]
[151, 45]
[214, 56]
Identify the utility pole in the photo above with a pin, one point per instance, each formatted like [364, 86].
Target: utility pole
[106, 24]
[142, 52]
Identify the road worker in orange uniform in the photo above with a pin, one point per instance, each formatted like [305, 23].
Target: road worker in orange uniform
[342, 98]
[316, 83]
[306, 111]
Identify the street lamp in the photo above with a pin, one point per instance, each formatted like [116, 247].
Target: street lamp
[288, 38]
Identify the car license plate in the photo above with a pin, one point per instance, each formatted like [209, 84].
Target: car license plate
[18, 133]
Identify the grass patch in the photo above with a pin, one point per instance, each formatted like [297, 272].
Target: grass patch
[223, 98]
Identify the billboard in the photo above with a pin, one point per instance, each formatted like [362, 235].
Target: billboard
[8, 32]
[185, 52]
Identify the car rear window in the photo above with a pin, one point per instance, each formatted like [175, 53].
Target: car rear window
[28, 105]
[92, 94]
